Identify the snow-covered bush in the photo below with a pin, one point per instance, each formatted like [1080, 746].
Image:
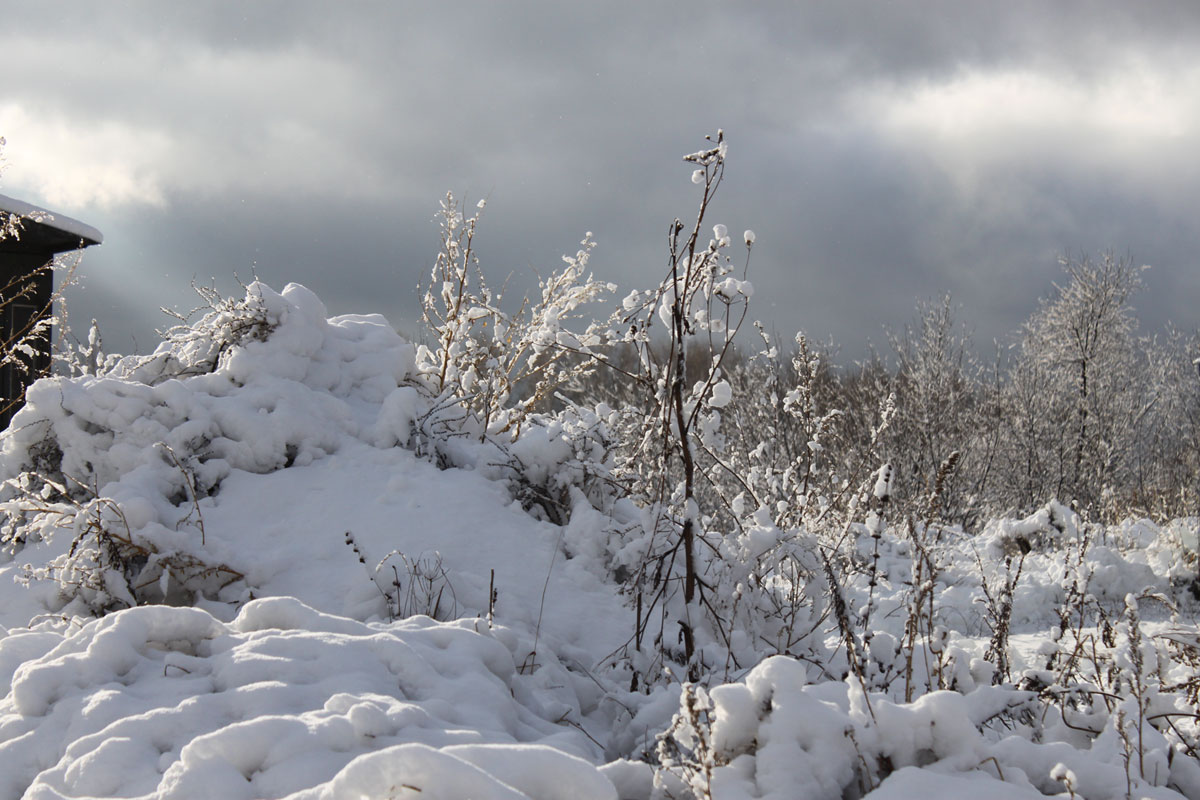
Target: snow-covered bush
[194, 347]
[699, 306]
[778, 733]
[113, 465]
[503, 366]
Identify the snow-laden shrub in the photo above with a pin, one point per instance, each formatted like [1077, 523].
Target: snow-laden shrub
[503, 366]
[560, 453]
[698, 306]
[488, 372]
[779, 734]
[111, 467]
[198, 347]
[106, 567]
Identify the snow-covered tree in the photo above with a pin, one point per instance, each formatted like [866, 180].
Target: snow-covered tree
[1168, 455]
[1081, 344]
[937, 396]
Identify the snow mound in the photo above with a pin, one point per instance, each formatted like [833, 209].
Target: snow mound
[271, 451]
[279, 385]
[283, 701]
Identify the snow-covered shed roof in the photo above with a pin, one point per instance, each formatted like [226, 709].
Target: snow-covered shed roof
[45, 230]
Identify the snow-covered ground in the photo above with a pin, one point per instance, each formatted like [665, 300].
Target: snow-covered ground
[329, 602]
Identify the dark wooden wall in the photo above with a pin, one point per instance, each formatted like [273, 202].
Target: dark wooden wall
[26, 286]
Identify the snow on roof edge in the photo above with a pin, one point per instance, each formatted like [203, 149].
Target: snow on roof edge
[47, 217]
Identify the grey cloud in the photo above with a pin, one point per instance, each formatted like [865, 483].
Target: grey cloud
[312, 142]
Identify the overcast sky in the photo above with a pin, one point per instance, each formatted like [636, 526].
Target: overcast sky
[884, 152]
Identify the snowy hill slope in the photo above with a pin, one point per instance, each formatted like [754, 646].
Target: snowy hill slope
[221, 564]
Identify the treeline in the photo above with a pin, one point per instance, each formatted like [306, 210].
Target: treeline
[1083, 408]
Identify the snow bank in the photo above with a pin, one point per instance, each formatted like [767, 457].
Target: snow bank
[269, 452]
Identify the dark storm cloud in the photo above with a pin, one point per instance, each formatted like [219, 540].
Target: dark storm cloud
[884, 152]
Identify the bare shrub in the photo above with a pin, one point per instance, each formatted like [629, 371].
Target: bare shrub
[108, 566]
